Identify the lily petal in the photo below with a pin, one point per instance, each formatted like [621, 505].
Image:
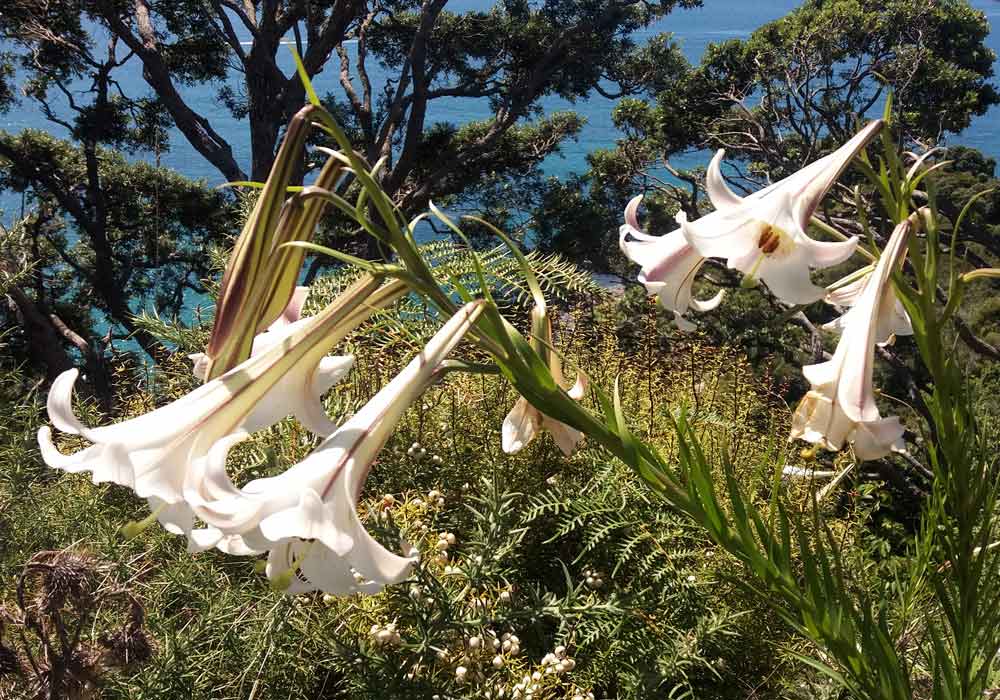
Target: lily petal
[293, 311]
[520, 426]
[565, 437]
[718, 191]
[841, 406]
[892, 318]
[669, 265]
[764, 234]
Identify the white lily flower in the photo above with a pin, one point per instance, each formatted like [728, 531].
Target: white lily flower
[307, 516]
[524, 420]
[764, 234]
[846, 293]
[153, 453]
[840, 407]
[669, 265]
[328, 372]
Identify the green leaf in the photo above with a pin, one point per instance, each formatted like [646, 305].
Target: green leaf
[304, 77]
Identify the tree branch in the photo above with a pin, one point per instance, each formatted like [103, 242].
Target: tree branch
[196, 128]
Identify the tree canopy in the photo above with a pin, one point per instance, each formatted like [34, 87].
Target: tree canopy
[70, 60]
[789, 94]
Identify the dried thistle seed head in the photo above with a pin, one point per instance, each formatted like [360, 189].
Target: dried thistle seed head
[69, 577]
[127, 647]
[76, 678]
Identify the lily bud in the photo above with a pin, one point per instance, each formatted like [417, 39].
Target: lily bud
[524, 420]
[259, 281]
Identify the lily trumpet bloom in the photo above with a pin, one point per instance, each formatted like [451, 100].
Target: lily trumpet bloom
[668, 264]
[524, 420]
[893, 323]
[307, 516]
[840, 407]
[764, 236]
[153, 453]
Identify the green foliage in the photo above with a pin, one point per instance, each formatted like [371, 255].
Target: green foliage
[105, 235]
[560, 279]
[789, 94]
[824, 65]
[575, 553]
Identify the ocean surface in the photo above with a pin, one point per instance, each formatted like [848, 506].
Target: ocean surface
[694, 30]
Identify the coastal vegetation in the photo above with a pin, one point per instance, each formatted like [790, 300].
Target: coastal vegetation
[774, 475]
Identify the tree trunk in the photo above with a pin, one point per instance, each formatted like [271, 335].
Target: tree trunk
[47, 335]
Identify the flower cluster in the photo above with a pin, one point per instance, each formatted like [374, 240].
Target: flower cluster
[763, 235]
[265, 362]
[305, 518]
